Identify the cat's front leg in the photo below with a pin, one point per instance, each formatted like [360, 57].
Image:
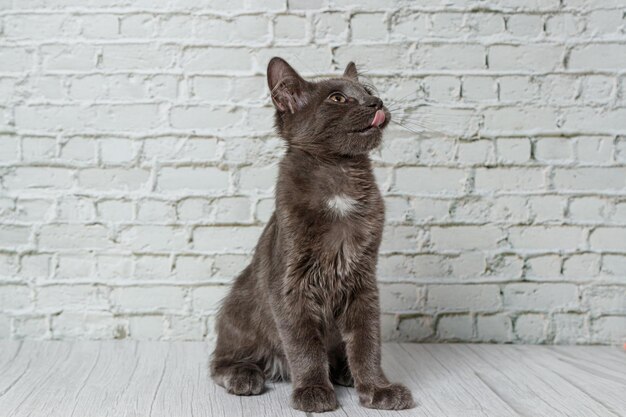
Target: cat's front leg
[301, 336]
[361, 332]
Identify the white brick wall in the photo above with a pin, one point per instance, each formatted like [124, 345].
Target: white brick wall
[137, 161]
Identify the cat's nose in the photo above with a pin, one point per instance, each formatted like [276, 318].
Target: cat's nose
[374, 102]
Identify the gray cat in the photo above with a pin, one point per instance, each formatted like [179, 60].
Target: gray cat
[306, 308]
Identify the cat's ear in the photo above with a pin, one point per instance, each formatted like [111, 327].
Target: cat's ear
[288, 89]
[351, 71]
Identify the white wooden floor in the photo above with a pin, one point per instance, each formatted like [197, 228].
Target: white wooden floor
[133, 379]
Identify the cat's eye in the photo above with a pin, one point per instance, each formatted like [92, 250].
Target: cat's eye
[337, 98]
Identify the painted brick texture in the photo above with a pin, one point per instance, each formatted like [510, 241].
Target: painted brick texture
[137, 161]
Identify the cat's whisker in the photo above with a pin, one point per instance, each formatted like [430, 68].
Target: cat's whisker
[412, 128]
[424, 126]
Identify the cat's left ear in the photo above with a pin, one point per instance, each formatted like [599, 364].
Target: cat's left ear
[288, 89]
[351, 72]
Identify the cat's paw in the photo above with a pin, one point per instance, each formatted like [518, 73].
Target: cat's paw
[314, 399]
[389, 397]
[245, 381]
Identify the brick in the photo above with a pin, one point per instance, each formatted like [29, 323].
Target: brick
[191, 178]
[554, 149]
[513, 150]
[564, 25]
[608, 239]
[14, 297]
[479, 89]
[530, 328]
[608, 329]
[12, 236]
[465, 237]
[540, 297]
[605, 299]
[115, 210]
[571, 329]
[136, 56]
[137, 26]
[117, 151]
[78, 149]
[155, 211]
[594, 150]
[201, 59]
[229, 266]
[113, 179]
[588, 209]
[208, 298]
[38, 178]
[419, 180]
[494, 328]
[189, 268]
[399, 238]
[236, 30]
[548, 208]
[146, 327]
[113, 267]
[185, 328]
[368, 27]
[153, 298]
[66, 236]
[79, 57]
[525, 57]
[330, 27]
[153, 267]
[516, 88]
[515, 119]
[154, 238]
[30, 327]
[544, 267]
[9, 148]
[75, 209]
[38, 148]
[399, 297]
[463, 298]
[508, 179]
[23, 26]
[258, 178]
[35, 266]
[583, 266]
[454, 328]
[232, 210]
[374, 57]
[203, 117]
[597, 57]
[585, 179]
[88, 325]
[449, 57]
[72, 297]
[16, 59]
[289, 28]
[411, 328]
[225, 239]
[74, 267]
[525, 25]
[537, 238]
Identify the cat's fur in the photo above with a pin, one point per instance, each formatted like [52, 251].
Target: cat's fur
[307, 308]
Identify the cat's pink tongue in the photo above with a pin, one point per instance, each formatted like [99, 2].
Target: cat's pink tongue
[379, 118]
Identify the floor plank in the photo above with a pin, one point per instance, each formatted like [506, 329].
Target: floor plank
[530, 388]
[161, 379]
[603, 381]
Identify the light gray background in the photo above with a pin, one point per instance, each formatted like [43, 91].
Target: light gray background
[137, 161]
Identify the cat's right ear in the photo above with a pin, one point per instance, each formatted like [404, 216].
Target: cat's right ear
[287, 88]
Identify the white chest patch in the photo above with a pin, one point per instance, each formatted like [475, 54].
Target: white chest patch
[341, 205]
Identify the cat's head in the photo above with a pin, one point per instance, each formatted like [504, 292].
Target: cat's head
[335, 116]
